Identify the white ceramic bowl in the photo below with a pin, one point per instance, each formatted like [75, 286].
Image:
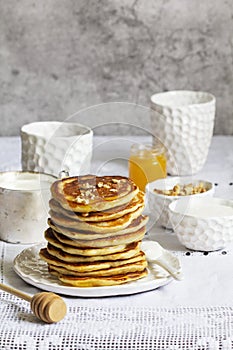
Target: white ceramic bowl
[51, 147]
[158, 203]
[24, 200]
[204, 224]
[183, 121]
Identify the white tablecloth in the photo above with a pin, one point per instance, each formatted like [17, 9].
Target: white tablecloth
[196, 313]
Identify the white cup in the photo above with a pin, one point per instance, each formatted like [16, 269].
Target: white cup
[183, 121]
[24, 200]
[52, 147]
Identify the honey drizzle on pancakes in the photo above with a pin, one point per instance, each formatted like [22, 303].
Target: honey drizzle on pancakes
[91, 187]
[93, 193]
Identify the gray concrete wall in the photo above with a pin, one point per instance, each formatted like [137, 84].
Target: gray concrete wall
[58, 56]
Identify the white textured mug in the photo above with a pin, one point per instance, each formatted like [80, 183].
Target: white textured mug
[52, 147]
[183, 121]
[24, 198]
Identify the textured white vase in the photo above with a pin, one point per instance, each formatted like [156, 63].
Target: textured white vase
[53, 147]
[183, 121]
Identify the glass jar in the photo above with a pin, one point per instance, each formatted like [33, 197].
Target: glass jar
[147, 163]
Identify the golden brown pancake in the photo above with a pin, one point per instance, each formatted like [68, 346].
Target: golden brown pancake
[63, 242]
[93, 193]
[106, 215]
[103, 281]
[88, 266]
[102, 227]
[130, 267]
[67, 257]
[135, 225]
[85, 252]
[103, 242]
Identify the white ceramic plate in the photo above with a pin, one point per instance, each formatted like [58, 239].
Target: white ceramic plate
[33, 270]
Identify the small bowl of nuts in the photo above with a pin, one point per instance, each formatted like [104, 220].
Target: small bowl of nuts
[161, 193]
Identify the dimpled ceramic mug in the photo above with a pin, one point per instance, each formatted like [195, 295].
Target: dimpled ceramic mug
[183, 121]
[52, 147]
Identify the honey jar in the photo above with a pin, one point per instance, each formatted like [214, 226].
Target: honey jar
[147, 163]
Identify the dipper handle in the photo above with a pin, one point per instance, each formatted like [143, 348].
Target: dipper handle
[48, 307]
[15, 292]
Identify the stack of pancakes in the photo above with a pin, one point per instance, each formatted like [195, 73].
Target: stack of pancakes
[95, 231]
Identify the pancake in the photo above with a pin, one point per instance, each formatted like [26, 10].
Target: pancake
[91, 253]
[130, 267]
[93, 193]
[88, 266]
[106, 215]
[135, 225]
[64, 256]
[103, 280]
[95, 231]
[102, 227]
[104, 242]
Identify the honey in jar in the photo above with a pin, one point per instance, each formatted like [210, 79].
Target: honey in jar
[147, 163]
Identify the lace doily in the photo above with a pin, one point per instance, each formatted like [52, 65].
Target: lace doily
[111, 328]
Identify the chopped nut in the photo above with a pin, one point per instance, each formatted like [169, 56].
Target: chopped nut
[115, 181]
[176, 188]
[88, 193]
[82, 200]
[188, 190]
[106, 186]
[166, 192]
[100, 184]
[185, 190]
[86, 185]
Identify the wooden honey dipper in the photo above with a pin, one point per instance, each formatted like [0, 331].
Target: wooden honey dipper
[46, 306]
